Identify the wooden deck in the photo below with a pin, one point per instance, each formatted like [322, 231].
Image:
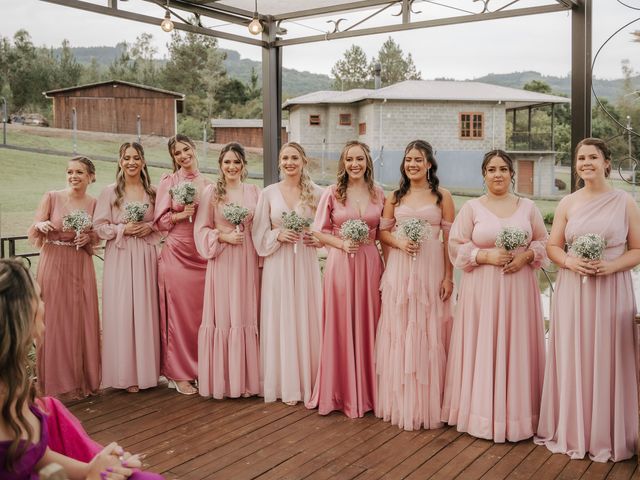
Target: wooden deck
[196, 438]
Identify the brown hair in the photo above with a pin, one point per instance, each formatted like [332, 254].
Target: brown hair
[307, 196]
[144, 173]
[343, 176]
[602, 147]
[505, 157]
[179, 138]
[432, 179]
[86, 161]
[221, 184]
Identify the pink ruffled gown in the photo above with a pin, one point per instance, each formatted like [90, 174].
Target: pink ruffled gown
[589, 399]
[228, 345]
[410, 344]
[496, 356]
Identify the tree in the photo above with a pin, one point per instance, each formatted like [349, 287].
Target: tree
[123, 68]
[539, 86]
[69, 70]
[395, 66]
[352, 70]
[142, 54]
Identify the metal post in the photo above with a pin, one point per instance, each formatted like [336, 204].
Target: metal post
[633, 167]
[271, 102]
[4, 120]
[139, 128]
[74, 126]
[204, 143]
[553, 131]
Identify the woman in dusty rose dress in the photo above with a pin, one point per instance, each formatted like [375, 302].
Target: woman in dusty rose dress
[496, 356]
[68, 357]
[181, 270]
[351, 305]
[228, 356]
[291, 296]
[130, 317]
[416, 286]
[589, 399]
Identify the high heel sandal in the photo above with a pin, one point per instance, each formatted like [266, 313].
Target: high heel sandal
[174, 384]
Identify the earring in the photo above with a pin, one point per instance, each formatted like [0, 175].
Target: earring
[428, 175]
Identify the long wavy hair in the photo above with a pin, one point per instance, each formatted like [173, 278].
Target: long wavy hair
[144, 174]
[180, 138]
[18, 305]
[306, 185]
[602, 146]
[343, 176]
[221, 183]
[432, 179]
[505, 157]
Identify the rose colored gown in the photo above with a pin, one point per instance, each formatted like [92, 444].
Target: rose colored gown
[130, 316]
[181, 277]
[68, 357]
[410, 343]
[228, 345]
[589, 399]
[496, 356]
[351, 308]
[291, 308]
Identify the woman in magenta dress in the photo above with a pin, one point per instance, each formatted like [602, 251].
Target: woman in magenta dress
[351, 305]
[130, 316]
[181, 270]
[496, 356]
[291, 296]
[416, 286]
[589, 399]
[68, 357]
[228, 352]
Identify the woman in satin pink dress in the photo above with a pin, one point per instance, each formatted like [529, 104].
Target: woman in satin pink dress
[130, 316]
[416, 286]
[496, 355]
[589, 399]
[228, 345]
[351, 305]
[181, 270]
[68, 356]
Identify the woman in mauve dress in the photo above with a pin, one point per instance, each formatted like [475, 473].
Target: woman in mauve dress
[351, 305]
[130, 317]
[589, 399]
[228, 356]
[181, 270]
[68, 356]
[416, 286]
[291, 296]
[495, 362]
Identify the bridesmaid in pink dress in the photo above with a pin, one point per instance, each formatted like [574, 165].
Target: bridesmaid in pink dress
[589, 399]
[416, 286]
[130, 316]
[496, 356]
[291, 297]
[228, 356]
[351, 306]
[181, 270]
[68, 357]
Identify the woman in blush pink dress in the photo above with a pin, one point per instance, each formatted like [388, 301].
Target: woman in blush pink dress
[496, 356]
[351, 305]
[68, 357]
[291, 296]
[228, 356]
[181, 270]
[589, 399]
[130, 316]
[416, 286]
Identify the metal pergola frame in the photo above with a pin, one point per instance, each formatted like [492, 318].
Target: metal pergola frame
[272, 43]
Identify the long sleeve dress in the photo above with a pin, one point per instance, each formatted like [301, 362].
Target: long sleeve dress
[496, 356]
[228, 345]
[291, 303]
[130, 315]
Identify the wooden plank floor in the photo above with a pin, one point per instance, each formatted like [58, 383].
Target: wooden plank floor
[196, 438]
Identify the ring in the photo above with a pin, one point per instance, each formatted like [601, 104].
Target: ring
[597, 270]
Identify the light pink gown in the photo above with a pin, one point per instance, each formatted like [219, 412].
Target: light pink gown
[410, 344]
[496, 356]
[68, 357]
[589, 399]
[291, 304]
[181, 276]
[130, 316]
[228, 345]
[351, 308]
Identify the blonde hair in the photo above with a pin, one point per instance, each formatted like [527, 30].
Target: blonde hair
[180, 138]
[221, 183]
[144, 174]
[343, 177]
[307, 187]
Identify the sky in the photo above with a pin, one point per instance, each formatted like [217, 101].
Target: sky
[540, 43]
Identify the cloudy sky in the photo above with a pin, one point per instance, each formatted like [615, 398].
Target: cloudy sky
[540, 43]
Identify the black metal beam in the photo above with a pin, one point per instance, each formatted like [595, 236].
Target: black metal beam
[271, 103]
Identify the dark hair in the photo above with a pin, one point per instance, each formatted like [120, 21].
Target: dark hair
[179, 138]
[343, 176]
[505, 157]
[86, 161]
[601, 145]
[144, 173]
[432, 178]
[221, 184]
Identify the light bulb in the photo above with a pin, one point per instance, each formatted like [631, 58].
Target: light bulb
[167, 24]
[255, 27]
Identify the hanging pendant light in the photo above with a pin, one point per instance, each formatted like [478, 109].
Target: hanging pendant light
[167, 24]
[255, 27]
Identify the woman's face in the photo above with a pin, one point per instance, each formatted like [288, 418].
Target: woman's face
[231, 166]
[291, 162]
[184, 155]
[78, 176]
[590, 163]
[355, 163]
[497, 176]
[416, 165]
[131, 162]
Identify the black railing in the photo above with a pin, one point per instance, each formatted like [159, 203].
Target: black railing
[527, 141]
[8, 249]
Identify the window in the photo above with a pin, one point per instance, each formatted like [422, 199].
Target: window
[345, 119]
[471, 125]
[314, 119]
[362, 128]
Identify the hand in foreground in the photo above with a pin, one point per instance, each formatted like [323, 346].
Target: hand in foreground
[233, 238]
[497, 256]
[446, 288]
[45, 227]
[519, 260]
[82, 239]
[140, 230]
[288, 236]
[409, 247]
[310, 240]
[350, 247]
[112, 463]
[580, 265]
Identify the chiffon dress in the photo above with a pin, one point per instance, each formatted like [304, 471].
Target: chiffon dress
[350, 312]
[25, 467]
[410, 343]
[130, 316]
[291, 304]
[68, 356]
[496, 357]
[228, 346]
[589, 399]
[181, 276]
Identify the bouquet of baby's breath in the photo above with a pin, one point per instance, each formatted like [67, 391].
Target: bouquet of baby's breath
[77, 221]
[294, 222]
[134, 211]
[511, 238]
[184, 193]
[355, 230]
[589, 247]
[235, 214]
[415, 230]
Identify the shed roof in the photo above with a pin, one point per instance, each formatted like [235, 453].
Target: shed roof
[241, 123]
[61, 91]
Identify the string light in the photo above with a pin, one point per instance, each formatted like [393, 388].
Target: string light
[255, 27]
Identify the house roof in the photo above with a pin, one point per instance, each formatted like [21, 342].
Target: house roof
[53, 93]
[241, 123]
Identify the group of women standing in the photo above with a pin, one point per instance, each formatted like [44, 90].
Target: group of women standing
[238, 304]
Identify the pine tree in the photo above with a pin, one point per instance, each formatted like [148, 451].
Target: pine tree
[352, 70]
[395, 66]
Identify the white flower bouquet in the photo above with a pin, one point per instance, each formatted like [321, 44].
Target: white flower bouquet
[354, 230]
[589, 247]
[77, 221]
[184, 193]
[134, 212]
[511, 238]
[414, 230]
[296, 223]
[235, 214]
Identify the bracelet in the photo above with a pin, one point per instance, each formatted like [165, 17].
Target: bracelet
[172, 218]
[448, 280]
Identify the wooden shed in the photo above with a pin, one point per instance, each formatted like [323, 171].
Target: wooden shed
[114, 107]
[247, 131]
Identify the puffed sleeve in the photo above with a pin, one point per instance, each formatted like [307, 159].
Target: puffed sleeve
[462, 251]
[103, 221]
[539, 237]
[265, 238]
[324, 213]
[205, 234]
[43, 213]
[162, 210]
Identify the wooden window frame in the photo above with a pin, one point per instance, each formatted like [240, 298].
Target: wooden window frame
[314, 120]
[474, 132]
[362, 128]
[344, 120]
